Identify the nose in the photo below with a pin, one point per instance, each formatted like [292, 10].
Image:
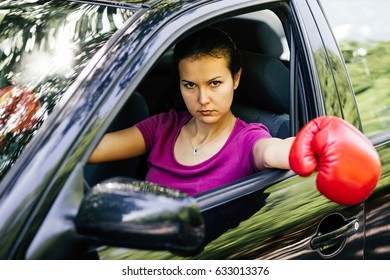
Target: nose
[204, 96]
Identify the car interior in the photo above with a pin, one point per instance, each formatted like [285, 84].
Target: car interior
[263, 95]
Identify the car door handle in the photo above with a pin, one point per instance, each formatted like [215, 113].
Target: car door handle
[322, 240]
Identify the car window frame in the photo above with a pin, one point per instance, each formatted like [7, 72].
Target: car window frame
[205, 19]
[240, 189]
[219, 196]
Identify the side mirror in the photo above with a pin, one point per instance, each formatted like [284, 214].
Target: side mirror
[135, 214]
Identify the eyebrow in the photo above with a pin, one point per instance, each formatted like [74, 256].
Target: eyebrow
[215, 78]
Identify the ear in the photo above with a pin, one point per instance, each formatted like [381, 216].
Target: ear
[236, 79]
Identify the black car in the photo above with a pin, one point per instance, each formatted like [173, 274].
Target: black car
[72, 70]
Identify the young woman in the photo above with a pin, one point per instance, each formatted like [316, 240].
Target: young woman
[206, 146]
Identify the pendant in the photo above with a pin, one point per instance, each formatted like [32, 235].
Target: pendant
[196, 151]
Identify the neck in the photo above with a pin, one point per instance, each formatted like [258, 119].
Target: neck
[202, 133]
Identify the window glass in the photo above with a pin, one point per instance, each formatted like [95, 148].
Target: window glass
[361, 28]
[44, 45]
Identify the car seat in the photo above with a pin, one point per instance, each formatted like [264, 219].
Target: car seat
[264, 91]
[252, 35]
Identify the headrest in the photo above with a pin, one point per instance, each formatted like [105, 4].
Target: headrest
[254, 36]
[264, 83]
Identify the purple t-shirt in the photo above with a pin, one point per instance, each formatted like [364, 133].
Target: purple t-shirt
[234, 161]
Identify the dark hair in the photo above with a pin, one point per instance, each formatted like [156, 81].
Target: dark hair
[209, 41]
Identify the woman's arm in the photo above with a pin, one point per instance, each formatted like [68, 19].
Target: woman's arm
[273, 153]
[119, 145]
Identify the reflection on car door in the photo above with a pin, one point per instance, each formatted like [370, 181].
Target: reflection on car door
[279, 222]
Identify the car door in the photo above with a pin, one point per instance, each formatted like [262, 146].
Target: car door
[275, 214]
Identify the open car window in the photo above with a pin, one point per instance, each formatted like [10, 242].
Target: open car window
[262, 97]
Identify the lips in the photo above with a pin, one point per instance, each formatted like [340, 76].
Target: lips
[206, 112]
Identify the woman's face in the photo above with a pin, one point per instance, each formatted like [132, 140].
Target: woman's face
[207, 87]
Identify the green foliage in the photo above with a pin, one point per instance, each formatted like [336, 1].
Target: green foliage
[369, 68]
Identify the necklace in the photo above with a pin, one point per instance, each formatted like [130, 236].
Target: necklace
[196, 150]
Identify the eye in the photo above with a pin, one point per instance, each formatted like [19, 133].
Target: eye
[215, 83]
[189, 85]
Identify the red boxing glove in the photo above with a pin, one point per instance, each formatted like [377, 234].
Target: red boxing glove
[348, 165]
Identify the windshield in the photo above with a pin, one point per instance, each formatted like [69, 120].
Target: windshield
[44, 45]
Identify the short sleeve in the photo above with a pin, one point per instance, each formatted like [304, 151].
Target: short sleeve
[148, 129]
[161, 126]
[247, 139]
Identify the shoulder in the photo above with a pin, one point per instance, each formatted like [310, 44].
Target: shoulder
[247, 134]
[162, 126]
[166, 119]
[174, 116]
[256, 128]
